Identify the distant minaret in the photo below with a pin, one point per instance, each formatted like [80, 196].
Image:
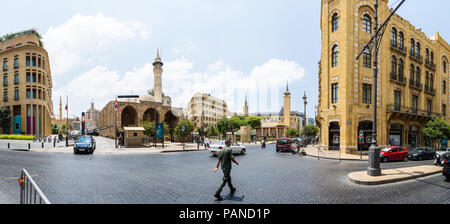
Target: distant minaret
[287, 106]
[157, 71]
[60, 108]
[246, 107]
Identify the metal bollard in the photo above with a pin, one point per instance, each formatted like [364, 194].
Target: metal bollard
[42, 145]
[29, 146]
[54, 144]
[8, 145]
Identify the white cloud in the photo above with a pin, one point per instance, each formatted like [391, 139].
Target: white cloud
[180, 82]
[83, 38]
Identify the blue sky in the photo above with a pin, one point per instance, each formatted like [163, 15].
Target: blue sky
[99, 49]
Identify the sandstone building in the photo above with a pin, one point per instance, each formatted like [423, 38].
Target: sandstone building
[412, 81]
[27, 84]
[205, 109]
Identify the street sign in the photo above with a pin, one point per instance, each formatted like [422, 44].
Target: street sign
[183, 128]
[159, 130]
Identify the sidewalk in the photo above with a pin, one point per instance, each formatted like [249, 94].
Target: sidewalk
[315, 151]
[394, 175]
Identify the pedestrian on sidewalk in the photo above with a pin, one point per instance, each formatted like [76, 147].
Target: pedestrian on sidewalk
[225, 157]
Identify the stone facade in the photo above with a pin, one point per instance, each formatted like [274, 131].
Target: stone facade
[27, 85]
[412, 81]
[207, 108]
[134, 112]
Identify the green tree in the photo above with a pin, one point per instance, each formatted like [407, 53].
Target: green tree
[436, 129]
[254, 122]
[189, 128]
[236, 123]
[5, 116]
[223, 125]
[149, 128]
[309, 130]
[212, 131]
[292, 132]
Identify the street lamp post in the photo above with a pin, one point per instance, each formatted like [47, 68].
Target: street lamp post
[374, 151]
[305, 102]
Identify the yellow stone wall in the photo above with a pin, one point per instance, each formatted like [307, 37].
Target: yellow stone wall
[350, 75]
[20, 47]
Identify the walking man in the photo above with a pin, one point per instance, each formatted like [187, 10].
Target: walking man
[225, 158]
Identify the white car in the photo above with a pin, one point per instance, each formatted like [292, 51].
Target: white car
[216, 147]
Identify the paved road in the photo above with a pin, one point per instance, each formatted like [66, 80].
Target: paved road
[263, 176]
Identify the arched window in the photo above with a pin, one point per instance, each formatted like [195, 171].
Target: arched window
[432, 58]
[411, 73]
[367, 58]
[412, 47]
[394, 37]
[427, 80]
[401, 40]
[334, 56]
[335, 22]
[418, 50]
[418, 74]
[444, 87]
[427, 56]
[394, 68]
[444, 67]
[400, 69]
[431, 81]
[367, 24]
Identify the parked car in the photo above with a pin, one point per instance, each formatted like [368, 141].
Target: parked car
[439, 156]
[393, 153]
[216, 147]
[422, 153]
[84, 144]
[284, 145]
[93, 133]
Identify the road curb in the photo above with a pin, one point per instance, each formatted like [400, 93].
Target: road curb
[332, 158]
[388, 181]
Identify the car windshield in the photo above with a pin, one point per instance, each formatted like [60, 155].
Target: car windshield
[444, 150]
[219, 143]
[282, 141]
[418, 150]
[293, 140]
[385, 149]
[84, 140]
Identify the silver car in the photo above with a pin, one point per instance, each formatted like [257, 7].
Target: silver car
[216, 147]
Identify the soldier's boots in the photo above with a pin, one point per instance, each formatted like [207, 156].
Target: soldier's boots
[233, 191]
[217, 195]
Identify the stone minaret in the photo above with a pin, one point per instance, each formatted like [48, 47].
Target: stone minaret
[157, 71]
[60, 109]
[287, 106]
[246, 107]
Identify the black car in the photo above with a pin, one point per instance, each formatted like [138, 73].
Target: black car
[84, 144]
[93, 133]
[422, 153]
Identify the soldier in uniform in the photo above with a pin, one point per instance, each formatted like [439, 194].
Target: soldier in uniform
[225, 157]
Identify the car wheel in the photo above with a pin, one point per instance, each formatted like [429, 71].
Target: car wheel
[243, 152]
[405, 159]
[420, 158]
[385, 160]
[75, 151]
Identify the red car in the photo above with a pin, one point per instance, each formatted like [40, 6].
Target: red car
[284, 145]
[393, 153]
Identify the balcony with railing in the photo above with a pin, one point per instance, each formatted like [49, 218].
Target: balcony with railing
[403, 110]
[398, 79]
[400, 49]
[416, 57]
[429, 64]
[430, 90]
[415, 85]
